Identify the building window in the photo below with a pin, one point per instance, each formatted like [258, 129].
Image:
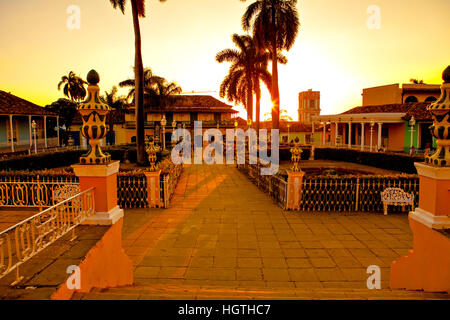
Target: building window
[430, 99]
[411, 99]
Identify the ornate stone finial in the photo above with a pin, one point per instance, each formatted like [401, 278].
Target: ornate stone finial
[93, 77]
[93, 114]
[296, 152]
[446, 75]
[440, 112]
[151, 150]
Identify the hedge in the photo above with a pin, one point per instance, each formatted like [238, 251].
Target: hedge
[56, 159]
[389, 161]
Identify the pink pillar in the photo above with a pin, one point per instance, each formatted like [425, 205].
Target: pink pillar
[103, 177]
[153, 189]
[294, 191]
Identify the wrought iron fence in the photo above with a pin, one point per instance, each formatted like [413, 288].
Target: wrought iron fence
[341, 194]
[35, 193]
[169, 181]
[24, 240]
[28, 190]
[275, 186]
[132, 191]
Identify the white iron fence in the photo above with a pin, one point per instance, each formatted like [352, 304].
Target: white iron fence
[24, 240]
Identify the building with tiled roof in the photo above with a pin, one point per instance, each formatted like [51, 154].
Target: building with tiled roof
[399, 94]
[393, 127]
[179, 110]
[182, 111]
[17, 117]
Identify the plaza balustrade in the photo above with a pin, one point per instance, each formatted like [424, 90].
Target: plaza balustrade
[24, 240]
[349, 193]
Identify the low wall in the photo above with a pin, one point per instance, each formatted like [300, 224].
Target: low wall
[105, 266]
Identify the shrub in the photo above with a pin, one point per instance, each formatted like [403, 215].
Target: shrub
[389, 161]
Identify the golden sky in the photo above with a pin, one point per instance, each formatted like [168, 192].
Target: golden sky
[335, 51]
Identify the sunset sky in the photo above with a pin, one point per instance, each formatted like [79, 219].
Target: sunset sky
[335, 51]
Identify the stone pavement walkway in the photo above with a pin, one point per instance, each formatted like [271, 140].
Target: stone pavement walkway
[224, 238]
[10, 216]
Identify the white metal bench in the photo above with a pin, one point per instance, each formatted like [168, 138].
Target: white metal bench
[396, 197]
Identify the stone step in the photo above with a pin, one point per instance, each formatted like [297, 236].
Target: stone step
[189, 292]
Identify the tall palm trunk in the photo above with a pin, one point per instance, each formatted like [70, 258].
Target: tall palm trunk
[249, 98]
[258, 105]
[275, 91]
[139, 87]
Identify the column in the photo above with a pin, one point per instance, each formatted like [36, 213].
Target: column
[324, 133]
[45, 131]
[294, 189]
[362, 136]
[336, 134]
[57, 130]
[380, 125]
[349, 134]
[11, 132]
[427, 266]
[30, 131]
[312, 136]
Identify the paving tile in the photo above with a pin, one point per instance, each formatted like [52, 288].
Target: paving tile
[298, 263]
[274, 263]
[322, 262]
[249, 274]
[249, 262]
[316, 253]
[303, 275]
[147, 272]
[275, 274]
[294, 253]
[329, 274]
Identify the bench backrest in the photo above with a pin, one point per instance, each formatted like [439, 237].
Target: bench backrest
[396, 194]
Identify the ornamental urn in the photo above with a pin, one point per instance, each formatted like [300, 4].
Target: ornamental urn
[440, 112]
[93, 114]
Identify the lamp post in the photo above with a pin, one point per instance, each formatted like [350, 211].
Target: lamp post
[372, 124]
[33, 126]
[412, 123]
[163, 125]
[174, 126]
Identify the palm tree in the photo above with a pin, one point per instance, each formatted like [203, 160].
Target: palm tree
[156, 89]
[73, 86]
[150, 80]
[250, 60]
[275, 25]
[116, 103]
[284, 116]
[138, 10]
[238, 84]
[416, 81]
[160, 92]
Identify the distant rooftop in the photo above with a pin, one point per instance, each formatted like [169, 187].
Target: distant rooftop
[418, 109]
[190, 103]
[11, 104]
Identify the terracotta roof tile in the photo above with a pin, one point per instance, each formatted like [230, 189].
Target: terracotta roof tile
[202, 103]
[10, 104]
[418, 109]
